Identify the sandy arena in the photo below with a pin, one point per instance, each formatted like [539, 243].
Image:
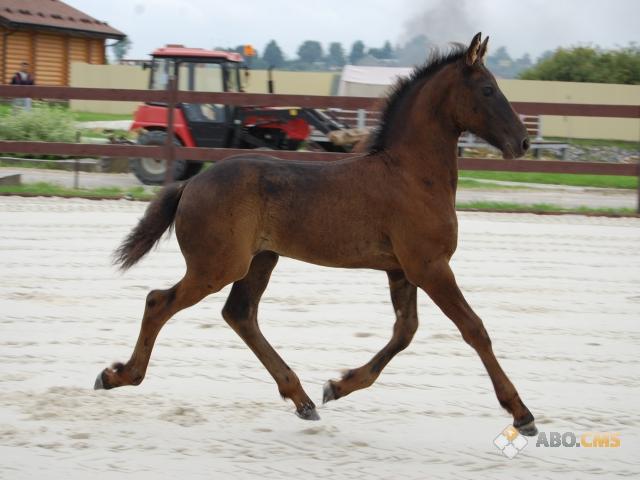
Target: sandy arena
[560, 296]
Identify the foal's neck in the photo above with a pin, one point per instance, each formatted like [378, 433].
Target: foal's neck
[425, 142]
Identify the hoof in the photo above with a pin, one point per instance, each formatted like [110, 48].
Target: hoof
[528, 429]
[526, 425]
[102, 381]
[308, 412]
[328, 392]
[99, 383]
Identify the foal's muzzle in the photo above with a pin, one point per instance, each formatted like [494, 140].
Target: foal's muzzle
[510, 150]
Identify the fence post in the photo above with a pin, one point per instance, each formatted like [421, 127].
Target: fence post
[76, 164]
[170, 155]
[362, 118]
[638, 176]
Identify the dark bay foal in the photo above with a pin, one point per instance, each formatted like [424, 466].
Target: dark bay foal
[391, 209]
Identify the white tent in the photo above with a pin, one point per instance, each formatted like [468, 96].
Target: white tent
[361, 81]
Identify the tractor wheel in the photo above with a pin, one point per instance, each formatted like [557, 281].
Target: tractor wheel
[151, 171]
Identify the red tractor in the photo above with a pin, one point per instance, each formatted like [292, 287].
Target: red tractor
[217, 125]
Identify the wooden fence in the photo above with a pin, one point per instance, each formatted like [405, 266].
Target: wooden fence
[172, 96]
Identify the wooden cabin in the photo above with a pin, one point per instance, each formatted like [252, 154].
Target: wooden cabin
[49, 34]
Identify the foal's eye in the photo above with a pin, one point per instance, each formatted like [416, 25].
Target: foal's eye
[487, 91]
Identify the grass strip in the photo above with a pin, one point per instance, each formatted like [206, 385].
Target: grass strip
[51, 190]
[572, 179]
[544, 208]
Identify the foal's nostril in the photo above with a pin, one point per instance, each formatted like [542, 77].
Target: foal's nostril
[525, 144]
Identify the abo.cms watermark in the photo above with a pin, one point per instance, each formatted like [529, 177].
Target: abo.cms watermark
[511, 443]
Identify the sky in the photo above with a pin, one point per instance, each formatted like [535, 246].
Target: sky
[523, 26]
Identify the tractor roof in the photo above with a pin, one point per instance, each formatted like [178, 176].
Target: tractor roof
[183, 52]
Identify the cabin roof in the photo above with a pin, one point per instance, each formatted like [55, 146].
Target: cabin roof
[53, 15]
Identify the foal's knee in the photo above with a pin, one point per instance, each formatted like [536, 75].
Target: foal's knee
[241, 317]
[405, 330]
[405, 335]
[477, 337]
[234, 311]
[412, 325]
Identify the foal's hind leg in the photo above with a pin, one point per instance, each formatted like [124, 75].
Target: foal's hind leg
[403, 296]
[241, 313]
[160, 306]
[440, 284]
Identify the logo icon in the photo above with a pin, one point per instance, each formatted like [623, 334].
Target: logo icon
[510, 442]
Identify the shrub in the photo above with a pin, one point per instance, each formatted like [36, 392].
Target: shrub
[42, 123]
[587, 64]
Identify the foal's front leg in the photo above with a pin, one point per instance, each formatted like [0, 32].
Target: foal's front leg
[403, 296]
[439, 283]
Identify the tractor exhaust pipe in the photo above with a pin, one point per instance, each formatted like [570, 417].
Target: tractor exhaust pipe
[270, 88]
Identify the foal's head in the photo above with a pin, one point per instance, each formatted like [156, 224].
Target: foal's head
[481, 107]
[457, 90]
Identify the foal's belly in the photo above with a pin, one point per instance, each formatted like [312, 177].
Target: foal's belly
[374, 260]
[334, 247]
[340, 232]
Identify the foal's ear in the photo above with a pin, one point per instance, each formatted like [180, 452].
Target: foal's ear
[483, 50]
[472, 52]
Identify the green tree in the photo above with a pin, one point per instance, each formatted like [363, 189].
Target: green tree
[523, 62]
[335, 58]
[499, 61]
[589, 64]
[387, 50]
[545, 55]
[414, 52]
[273, 55]
[502, 65]
[310, 51]
[384, 53]
[357, 52]
[121, 48]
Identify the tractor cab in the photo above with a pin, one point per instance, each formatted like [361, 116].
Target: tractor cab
[199, 70]
[196, 69]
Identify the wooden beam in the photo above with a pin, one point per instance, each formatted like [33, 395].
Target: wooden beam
[311, 101]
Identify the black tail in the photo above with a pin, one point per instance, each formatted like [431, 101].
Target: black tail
[158, 217]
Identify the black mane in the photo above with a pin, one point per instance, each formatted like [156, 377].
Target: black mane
[437, 60]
